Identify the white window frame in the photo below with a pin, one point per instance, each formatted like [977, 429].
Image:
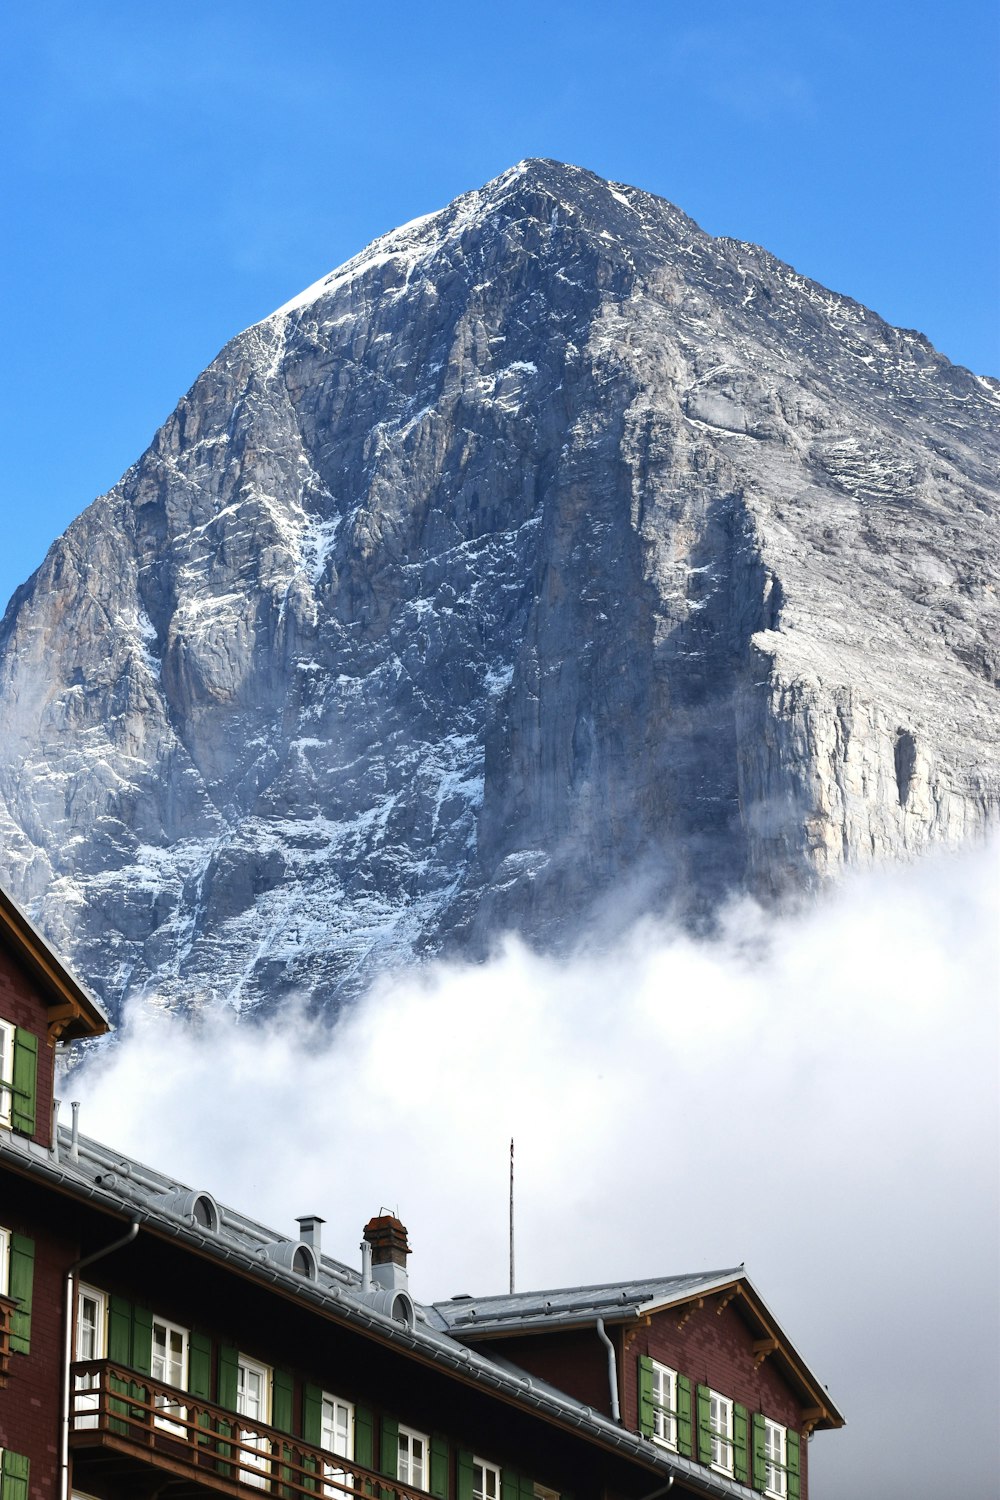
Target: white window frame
[4, 1262]
[337, 1481]
[664, 1397]
[775, 1459]
[170, 1408]
[542, 1492]
[87, 1388]
[100, 1300]
[720, 1423]
[7, 1031]
[404, 1458]
[255, 1451]
[480, 1468]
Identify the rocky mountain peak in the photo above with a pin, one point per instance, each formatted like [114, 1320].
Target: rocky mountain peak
[547, 552]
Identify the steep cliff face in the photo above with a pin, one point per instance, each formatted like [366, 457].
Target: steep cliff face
[549, 549]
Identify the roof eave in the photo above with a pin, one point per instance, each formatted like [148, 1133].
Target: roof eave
[73, 1011]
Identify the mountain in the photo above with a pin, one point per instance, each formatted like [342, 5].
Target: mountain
[549, 561]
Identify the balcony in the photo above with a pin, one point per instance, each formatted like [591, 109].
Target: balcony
[124, 1425]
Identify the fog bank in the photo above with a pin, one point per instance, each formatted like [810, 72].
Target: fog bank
[815, 1096]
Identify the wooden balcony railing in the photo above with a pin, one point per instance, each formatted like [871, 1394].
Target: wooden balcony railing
[113, 1408]
[7, 1310]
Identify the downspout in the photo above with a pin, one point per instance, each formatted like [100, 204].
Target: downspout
[612, 1370]
[71, 1274]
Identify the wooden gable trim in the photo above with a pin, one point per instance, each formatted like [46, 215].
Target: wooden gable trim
[71, 1011]
[769, 1341]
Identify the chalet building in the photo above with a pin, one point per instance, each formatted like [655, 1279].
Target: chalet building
[156, 1343]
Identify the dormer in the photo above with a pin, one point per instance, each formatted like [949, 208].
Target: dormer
[41, 1003]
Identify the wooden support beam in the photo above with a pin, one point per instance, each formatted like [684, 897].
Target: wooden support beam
[810, 1416]
[761, 1349]
[690, 1310]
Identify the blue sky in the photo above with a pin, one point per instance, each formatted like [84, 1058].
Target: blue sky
[173, 173]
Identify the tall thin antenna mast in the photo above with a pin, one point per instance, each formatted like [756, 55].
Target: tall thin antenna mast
[512, 1213]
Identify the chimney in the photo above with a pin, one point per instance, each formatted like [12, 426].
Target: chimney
[309, 1230]
[389, 1247]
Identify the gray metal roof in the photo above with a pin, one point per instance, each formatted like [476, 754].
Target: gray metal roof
[128, 1189]
[526, 1311]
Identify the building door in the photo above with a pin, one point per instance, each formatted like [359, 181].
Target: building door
[91, 1323]
[336, 1436]
[253, 1401]
[168, 1365]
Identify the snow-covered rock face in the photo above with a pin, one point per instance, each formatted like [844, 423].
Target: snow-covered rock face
[549, 550]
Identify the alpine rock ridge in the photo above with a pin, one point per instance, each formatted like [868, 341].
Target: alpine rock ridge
[549, 551]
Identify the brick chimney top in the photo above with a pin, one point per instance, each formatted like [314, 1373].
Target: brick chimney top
[387, 1237]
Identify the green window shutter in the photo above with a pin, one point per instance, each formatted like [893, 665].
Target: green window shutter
[142, 1340]
[741, 1456]
[389, 1452]
[685, 1424]
[229, 1364]
[646, 1426]
[22, 1274]
[200, 1366]
[510, 1484]
[281, 1401]
[463, 1472]
[526, 1488]
[119, 1353]
[439, 1467]
[200, 1378]
[120, 1331]
[792, 1458]
[14, 1468]
[759, 1477]
[364, 1437]
[25, 1081]
[229, 1361]
[704, 1426]
[312, 1415]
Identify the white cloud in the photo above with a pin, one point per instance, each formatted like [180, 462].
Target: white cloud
[815, 1095]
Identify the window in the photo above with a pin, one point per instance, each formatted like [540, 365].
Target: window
[337, 1426]
[542, 1492]
[775, 1459]
[485, 1480]
[18, 1077]
[6, 1071]
[336, 1436]
[413, 1467]
[91, 1321]
[664, 1399]
[91, 1344]
[253, 1400]
[720, 1421]
[169, 1365]
[4, 1262]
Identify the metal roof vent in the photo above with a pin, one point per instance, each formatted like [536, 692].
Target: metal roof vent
[199, 1208]
[311, 1230]
[294, 1255]
[391, 1303]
